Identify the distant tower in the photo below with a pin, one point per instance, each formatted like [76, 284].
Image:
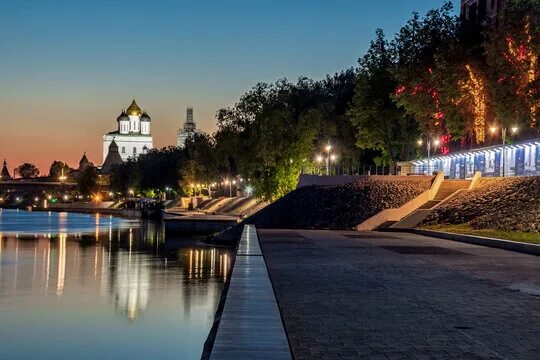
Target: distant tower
[4, 175]
[113, 158]
[84, 163]
[189, 129]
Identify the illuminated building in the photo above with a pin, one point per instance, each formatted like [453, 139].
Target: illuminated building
[133, 134]
[481, 12]
[522, 158]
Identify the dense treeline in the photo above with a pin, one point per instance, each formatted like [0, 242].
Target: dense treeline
[449, 78]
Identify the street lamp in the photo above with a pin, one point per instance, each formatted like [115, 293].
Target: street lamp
[62, 177]
[327, 157]
[429, 136]
[493, 130]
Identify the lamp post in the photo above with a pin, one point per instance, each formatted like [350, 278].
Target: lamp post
[319, 160]
[493, 130]
[227, 182]
[327, 157]
[428, 144]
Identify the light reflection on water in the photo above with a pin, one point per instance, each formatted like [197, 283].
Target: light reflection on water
[113, 293]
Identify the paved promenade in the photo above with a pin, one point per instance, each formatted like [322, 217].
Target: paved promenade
[349, 295]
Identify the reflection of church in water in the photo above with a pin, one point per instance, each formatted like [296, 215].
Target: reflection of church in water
[125, 265]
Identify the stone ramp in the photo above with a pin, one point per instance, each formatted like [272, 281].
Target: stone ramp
[250, 325]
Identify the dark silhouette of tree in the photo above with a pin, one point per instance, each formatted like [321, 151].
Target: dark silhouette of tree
[27, 171]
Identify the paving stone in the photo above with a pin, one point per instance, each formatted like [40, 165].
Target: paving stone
[340, 293]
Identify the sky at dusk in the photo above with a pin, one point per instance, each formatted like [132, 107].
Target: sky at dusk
[67, 68]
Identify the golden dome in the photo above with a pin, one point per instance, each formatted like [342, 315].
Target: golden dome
[134, 109]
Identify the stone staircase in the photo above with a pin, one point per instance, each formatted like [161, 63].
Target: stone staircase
[447, 189]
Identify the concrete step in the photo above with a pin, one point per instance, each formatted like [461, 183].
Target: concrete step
[430, 204]
[415, 218]
[385, 225]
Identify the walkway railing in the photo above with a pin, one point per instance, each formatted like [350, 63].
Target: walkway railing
[351, 170]
[250, 325]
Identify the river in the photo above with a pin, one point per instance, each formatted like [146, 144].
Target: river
[79, 286]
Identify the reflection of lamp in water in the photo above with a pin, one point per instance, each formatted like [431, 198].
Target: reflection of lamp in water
[61, 263]
[132, 283]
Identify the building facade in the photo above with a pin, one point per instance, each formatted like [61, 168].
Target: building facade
[132, 135]
[187, 130]
[518, 159]
[481, 12]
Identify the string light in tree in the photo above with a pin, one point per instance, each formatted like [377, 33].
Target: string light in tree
[474, 86]
[523, 58]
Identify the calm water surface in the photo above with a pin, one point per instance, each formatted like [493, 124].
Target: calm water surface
[76, 286]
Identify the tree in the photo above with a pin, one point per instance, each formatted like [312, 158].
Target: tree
[416, 47]
[275, 130]
[150, 173]
[57, 168]
[200, 150]
[380, 124]
[87, 181]
[513, 54]
[27, 171]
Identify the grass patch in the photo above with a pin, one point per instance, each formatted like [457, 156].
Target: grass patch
[465, 229]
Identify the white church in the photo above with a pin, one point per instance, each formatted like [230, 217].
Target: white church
[133, 134]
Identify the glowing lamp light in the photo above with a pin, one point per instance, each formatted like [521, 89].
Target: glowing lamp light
[328, 147]
[333, 157]
[437, 142]
[514, 129]
[319, 158]
[420, 142]
[493, 129]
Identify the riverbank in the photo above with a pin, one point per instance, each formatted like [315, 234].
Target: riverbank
[339, 206]
[123, 213]
[497, 205]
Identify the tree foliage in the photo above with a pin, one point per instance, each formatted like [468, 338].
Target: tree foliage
[27, 171]
[513, 51]
[276, 129]
[57, 168]
[87, 183]
[381, 125]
